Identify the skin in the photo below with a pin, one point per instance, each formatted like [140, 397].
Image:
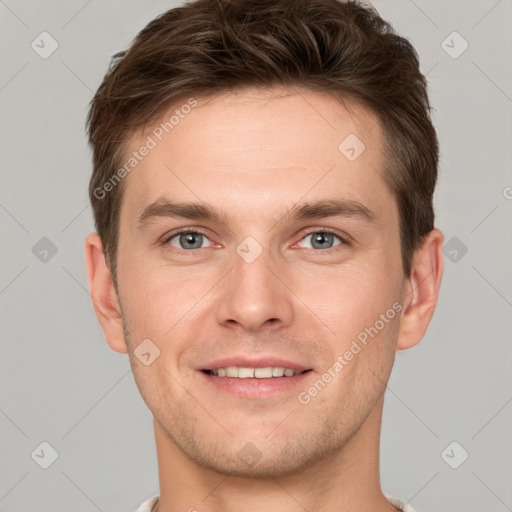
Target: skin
[254, 154]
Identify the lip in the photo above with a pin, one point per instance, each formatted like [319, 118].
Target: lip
[253, 362]
[254, 388]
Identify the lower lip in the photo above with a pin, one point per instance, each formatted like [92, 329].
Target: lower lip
[255, 388]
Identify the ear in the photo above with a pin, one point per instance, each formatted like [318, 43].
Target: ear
[103, 293]
[421, 290]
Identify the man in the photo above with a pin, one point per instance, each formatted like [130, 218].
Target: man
[262, 190]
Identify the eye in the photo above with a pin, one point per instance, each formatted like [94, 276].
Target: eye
[322, 240]
[187, 240]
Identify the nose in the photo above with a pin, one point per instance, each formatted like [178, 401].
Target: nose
[255, 295]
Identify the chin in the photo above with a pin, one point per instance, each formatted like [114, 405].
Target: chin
[281, 458]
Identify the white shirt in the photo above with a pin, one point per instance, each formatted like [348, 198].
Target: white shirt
[148, 505]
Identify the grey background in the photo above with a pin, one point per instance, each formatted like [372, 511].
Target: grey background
[60, 383]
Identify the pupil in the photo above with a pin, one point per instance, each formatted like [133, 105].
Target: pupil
[191, 238]
[321, 238]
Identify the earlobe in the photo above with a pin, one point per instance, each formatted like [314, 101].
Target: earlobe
[422, 290]
[103, 293]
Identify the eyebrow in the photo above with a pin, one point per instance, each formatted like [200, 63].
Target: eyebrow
[162, 207]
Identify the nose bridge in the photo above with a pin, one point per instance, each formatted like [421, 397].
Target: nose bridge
[252, 295]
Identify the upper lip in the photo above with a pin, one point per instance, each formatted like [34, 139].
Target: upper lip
[253, 362]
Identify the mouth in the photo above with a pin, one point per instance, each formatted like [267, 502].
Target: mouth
[246, 378]
[267, 372]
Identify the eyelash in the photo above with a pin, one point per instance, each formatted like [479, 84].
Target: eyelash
[165, 242]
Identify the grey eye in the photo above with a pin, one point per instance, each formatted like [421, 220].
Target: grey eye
[187, 240]
[322, 240]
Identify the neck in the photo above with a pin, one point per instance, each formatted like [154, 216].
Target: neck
[347, 479]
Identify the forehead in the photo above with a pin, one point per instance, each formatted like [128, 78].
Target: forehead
[255, 149]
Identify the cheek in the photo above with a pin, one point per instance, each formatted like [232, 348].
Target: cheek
[162, 303]
[351, 297]
[360, 304]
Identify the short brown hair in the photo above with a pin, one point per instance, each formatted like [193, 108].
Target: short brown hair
[208, 47]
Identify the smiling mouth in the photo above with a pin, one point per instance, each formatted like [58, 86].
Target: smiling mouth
[268, 372]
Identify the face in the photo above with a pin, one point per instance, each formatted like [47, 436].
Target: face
[290, 262]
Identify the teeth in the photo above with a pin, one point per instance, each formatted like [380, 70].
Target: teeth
[231, 371]
[263, 373]
[258, 373]
[245, 373]
[277, 372]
